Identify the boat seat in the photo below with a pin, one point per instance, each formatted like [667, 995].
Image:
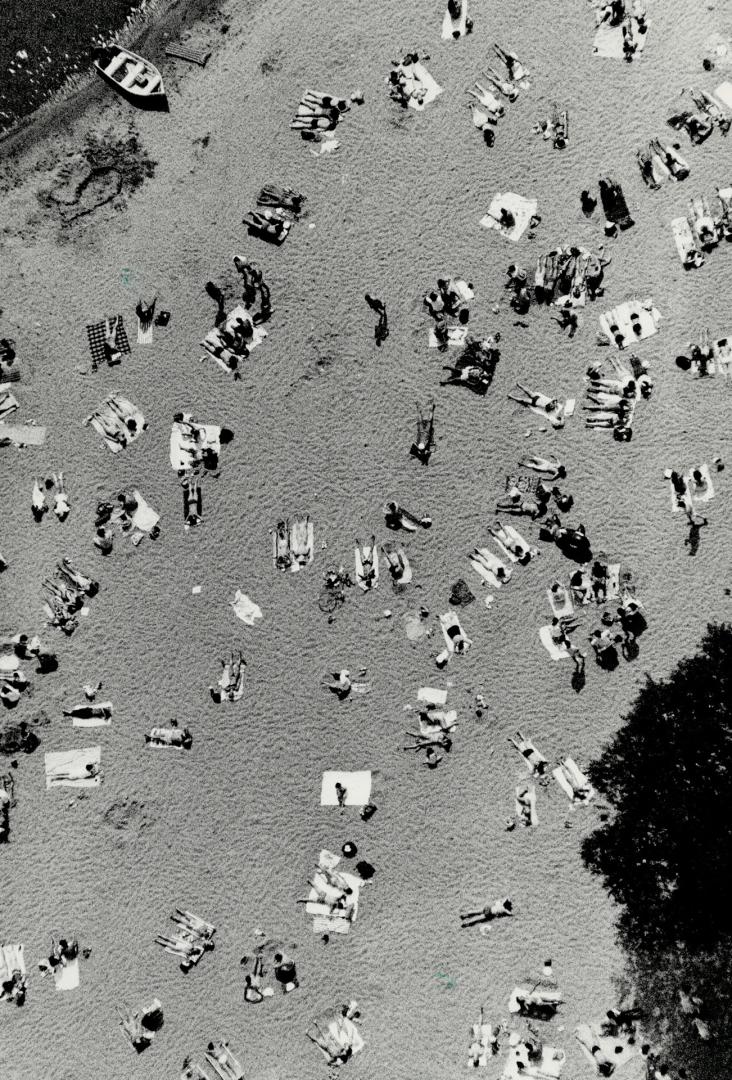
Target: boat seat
[152, 83]
[132, 75]
[115, 64]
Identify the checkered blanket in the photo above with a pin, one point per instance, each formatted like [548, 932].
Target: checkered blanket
[97, 332]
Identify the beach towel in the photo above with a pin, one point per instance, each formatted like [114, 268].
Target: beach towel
[12, 958]
[454, 29]
[68, 768]
[567, 773]
[612, 586]
[245, 609]
[9, 661]
[617, 1049]
[301, 537]
[416, 627]
[549, 1068]
[721, 353]
[456, 335]
[522, 209]
[685, 241]
[144, 517]
[91, 721]
[128, 410]
[66, 976]
[182, 444]
[608, 40]
[213, 342]
[437, 720]
[428, 695]
[707, 491]
[557, 416]
[485, 563]
[678, 502]
[561, 605]
[97, 332]
[419, 78]
[557, 652]
[23, 434]
[724, 94]
[144, 333]
[620, 316]
[326, 145]
[357, 785]
[8, 403]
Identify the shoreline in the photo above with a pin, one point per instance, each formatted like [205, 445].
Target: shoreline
[159, 23]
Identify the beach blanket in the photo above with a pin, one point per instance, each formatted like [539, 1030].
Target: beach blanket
[724, 94]
[707, 488]
[617, 1049]
[22, 434]
[111, 417]
[522, 209]
[557, 416]
[429, 695]
[454, 29]
[185, 451]
[212, 342]
[419, 78]
[566, 773]
[561, 603]
[608, 40]
[678, 501]
[648, 315]
[245, 609]
[12, 958]
[144, 333]
[685, 241]
[144, 517]
[718, 365]
[456, 335]
[92, 721]
[518, 1064]
[8, 402]
[486, 563]
[325, 919]
[66, 976]
[97, 332]
[357, 785]
[68, 768]
[557, 652]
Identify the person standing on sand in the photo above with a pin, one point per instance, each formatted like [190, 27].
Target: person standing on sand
[381, 330]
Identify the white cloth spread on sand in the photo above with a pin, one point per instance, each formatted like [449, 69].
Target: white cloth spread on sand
[212, 340]
[684, 239]
[66, 976]
[357, 785]
[649, 318]
[185, 450]
[608, 41]
[724, 94]
[67, 768]
[522, 209]
[245, 609]
[12, 958]
[555, 650]
[418, 78]
[23, 434]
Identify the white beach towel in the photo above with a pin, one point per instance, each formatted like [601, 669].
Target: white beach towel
[419, 78]
[450, 620]
[608, 41]
[23, 434]
[557, 416]
[129, 410]
[327, 145]
[612, 590]
[557, 652]
[454, 29]
[462, 288]
[561, 604]
[456, 335]
[91, 721]
[144, 517]
[722, 354]
[12, 958]
[245, 609]
[428, 695]
[678, 502]
[707, 488]
[684, 239]
[724, 94]
[144, 335]
[66, 976]
[616, 1049]
[567, 773]
[181, 444]
[485, 563]
[213, 340]
[357, 785]
[649, 317]
[549, 1068]
[522, 209]
[67, 768]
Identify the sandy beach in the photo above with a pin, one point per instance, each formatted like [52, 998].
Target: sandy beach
[323, 421]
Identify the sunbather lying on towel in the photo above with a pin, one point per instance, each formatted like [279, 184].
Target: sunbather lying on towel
[498, 909]
[536, 762]
[422, 446]
[171, 736]
[530, 400]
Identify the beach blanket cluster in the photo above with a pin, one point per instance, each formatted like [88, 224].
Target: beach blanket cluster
[118, 421]
[293, 543]
[699, 231]
[191, 938]
[487, 105]
[334, 896]
[411, 85]
[66, 594]
[280, 208]
[707, 358]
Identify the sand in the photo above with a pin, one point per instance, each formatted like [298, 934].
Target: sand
[323, 422]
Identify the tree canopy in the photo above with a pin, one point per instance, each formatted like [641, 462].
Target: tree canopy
[666, 849]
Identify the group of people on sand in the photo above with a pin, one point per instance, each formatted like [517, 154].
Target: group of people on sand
[66, 594]
[230, 686]
[54, 488]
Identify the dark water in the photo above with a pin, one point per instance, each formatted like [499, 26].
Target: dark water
[58, 37]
